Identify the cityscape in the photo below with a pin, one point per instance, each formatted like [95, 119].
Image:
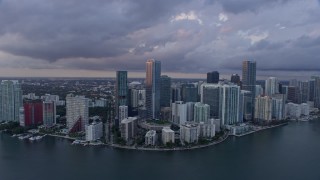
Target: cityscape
[156, 113]
[161, 90]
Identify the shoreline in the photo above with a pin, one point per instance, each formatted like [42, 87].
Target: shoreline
[254, 131]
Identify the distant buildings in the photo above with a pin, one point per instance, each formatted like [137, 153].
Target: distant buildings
[167, 135]
[271, 86]
[153, 83]
[213, 77]
[10, 100]
[235, 78]
[207, 130]
[189, 93]
[263, 108]
[49, 113]
[77, 112]
[128, 128]
[295, 111]
[151, 138]
[94, 131]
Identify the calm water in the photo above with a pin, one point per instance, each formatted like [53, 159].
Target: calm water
[288, 152]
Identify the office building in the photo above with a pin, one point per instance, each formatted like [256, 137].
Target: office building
[210, 95]
[153, 83]
[167, 135]
[190, 111]
[278, 107]
[176, 93]
[77, 112]
[213, 77]
[229, 104]
[189, 93]
[10, 100]
[165, 92]
[94, 131]
[249, 81]
[201, 112]
[150, 138]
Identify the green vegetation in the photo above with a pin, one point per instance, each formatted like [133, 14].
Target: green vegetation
[13, 128]
[99, 111]
[161, 122]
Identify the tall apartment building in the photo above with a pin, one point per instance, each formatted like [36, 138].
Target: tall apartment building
[249, 81]
[77, 112]
[153, 83]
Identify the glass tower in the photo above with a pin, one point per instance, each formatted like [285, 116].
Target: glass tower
[249, 82]
[153, 84]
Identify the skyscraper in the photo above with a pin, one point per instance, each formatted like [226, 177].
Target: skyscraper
[10, 100]
[263, 109]
[165, 92]
[201, 112]
[210, 95]
[213, 77]
[249, 80]
[121, 90]
[189, 93]
[153, 73]
[229, 104]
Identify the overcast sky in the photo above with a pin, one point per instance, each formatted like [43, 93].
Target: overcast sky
[190, 37]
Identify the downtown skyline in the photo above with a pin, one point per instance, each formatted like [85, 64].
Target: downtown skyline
[190, 38]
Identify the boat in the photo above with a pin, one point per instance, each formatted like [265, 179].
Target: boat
[32, 138]
[39, 137]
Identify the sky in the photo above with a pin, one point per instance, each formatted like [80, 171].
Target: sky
[94, 38]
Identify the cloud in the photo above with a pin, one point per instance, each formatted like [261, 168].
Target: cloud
[191, 16]
[253, 37]
[223, 17]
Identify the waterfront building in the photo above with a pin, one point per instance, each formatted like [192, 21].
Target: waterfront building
[316, 96]
[94, 131]
[128, 128]
[293, 110]
[207, 130]
[249, 81]
[278, 107]
[179, 112]
[263, 108]
[33, 113]
[189, 93]
[121, 91]
[201, 112]
[167, 135]
[303, 95]
[165, 92]
[10, 100]
[213, 77]
[217, 124]
[229, 104]
[77, 112]
[189, 133]
[271, 86]
[49, 113]
[151, 138]
[305, 109]
[153, 83]
[123, 112]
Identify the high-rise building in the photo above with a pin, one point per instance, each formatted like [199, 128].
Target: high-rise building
[121, 91]
[213, 77]
[235, 78]
[94, 131]
[207, 130]
[293, 94]
[229, 104]
[190, 111]
[246, 106]
[201, 112]
[249, 80]
[167, 135]
[176, 93]
[189, 93]
[311, 89]
[77, 112]
[271, 86]
[278, 107]
[316, 97]
[153, 73]
[138, 98]
[33, 113]
[210, 95]
[263, 108]
[303, 96]
[128, 128]
[49, 113]
[10, 100]
[259, 90]
[123, 112]
[179, 112]
[165, 92]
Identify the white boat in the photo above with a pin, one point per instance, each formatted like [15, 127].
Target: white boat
[39, 137]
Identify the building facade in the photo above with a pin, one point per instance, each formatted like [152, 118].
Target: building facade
[153, 83]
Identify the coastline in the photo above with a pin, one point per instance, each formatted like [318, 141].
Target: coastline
[254, 131]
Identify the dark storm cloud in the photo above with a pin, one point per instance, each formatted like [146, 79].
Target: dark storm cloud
[187, 36]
